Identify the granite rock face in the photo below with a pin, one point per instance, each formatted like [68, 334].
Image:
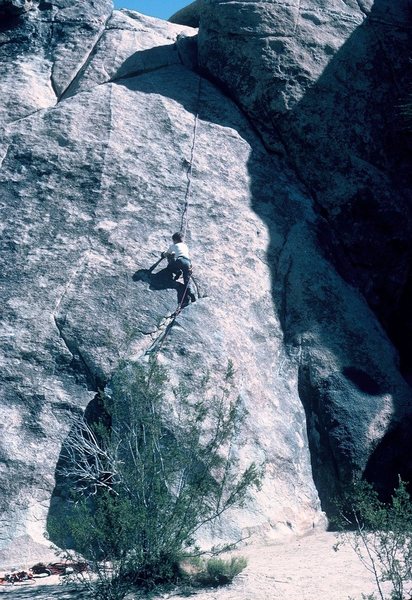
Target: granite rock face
[93, 183]
[324, 83]
[104, 116]
[188, 15]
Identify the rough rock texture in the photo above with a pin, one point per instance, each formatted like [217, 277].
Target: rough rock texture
[92, 185]
[103, 115]
[188, 15]
[13, 8]
[323, 81]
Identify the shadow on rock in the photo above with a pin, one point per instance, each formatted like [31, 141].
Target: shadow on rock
[316, 309]
[391, 459]
[341, 404]
[361, 183]
[162, 280]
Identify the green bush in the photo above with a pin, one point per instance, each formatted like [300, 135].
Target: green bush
[381, 535]
[222, 572]
[145, 479]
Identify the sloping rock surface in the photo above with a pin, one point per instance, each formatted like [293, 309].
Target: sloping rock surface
[93, 182]
[104, 116]
[188, 15]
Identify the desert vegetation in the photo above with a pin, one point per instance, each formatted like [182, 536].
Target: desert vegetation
[381, 535]
[147, 477]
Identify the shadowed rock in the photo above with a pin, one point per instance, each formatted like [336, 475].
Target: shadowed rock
[11, 8]
[323, 83]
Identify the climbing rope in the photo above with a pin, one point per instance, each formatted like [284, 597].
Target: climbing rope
[169, 321]
[184, 219]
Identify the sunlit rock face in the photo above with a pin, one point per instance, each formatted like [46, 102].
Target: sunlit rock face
[106, 123]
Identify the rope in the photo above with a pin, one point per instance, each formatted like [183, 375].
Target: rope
[157, 344]
[159, 341]
[184, 219]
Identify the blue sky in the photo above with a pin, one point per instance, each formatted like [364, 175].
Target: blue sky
[155, 8]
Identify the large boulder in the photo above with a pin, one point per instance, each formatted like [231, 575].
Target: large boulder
[109, 143]
[92, 185]
[324, 82]
[188, 15]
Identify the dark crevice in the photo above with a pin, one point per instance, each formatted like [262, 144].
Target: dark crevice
[133, 74]
[391, 459]
[66, 92]
[52, 82]
[79, 364]
[363, 381]
[62, 499]
[400, 329]
[45, 6]
[186, 48]
[117, 80]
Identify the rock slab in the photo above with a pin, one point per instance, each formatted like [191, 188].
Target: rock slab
[105, 126]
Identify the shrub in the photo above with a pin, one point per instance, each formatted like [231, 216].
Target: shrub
[144, 482]
[382, 537]
[222, 571]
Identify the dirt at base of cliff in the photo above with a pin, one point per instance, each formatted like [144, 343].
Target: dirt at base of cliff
[304, 569]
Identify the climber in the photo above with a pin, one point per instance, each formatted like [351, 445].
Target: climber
[178, 259]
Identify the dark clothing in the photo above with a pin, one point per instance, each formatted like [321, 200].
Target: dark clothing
[183, 265]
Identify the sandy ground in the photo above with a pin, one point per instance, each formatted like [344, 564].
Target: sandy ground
[304, 569]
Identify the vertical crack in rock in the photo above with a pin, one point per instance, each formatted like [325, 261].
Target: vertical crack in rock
[297, 17]
[168, 322]
[85, 63]
[186, 203]
[4, 156]
[78, 358]
[52, 83]
[107, 146]
[59, 320]
[91, 377]
[70, 280]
